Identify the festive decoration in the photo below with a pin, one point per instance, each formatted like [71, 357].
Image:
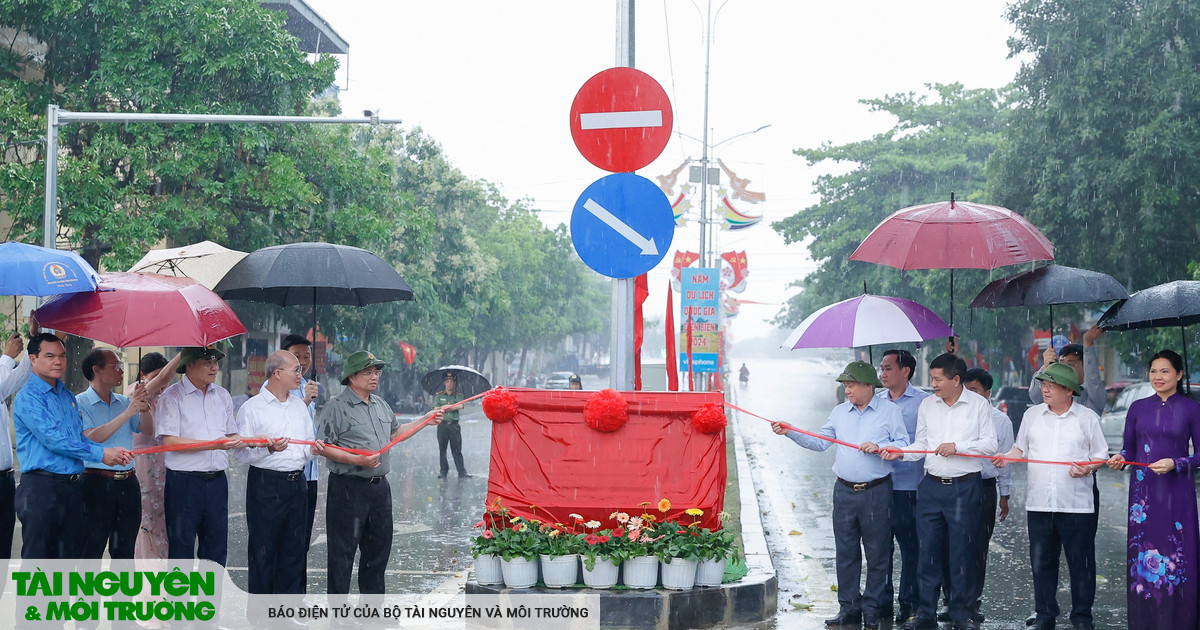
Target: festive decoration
[500, 405]
[734, 220]
[409, 352]
[710, 418]
[681, 261]
[606, 411]
[734, 272]
[738, 184]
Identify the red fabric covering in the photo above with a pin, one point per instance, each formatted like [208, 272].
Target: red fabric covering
[550, 458]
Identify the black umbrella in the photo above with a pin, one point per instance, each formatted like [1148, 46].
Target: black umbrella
[313, 273]
[1171, 304]
[1050, 285]
[468, 382]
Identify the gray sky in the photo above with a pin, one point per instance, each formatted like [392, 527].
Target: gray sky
[493, 83]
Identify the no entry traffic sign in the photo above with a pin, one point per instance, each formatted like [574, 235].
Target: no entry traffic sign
[621, 119]
[622, 225]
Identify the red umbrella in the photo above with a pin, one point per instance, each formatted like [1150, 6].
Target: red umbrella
[954, 235]
[134, 309]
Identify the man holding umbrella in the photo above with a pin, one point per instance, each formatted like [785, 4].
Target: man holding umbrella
[449, 431]
[358, 508]
[13, 376]
[1085, 361]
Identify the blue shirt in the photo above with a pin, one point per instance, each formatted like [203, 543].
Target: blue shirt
[311, 472]
[907, 475]
[49, 429]
[96, 412]
[878, 422]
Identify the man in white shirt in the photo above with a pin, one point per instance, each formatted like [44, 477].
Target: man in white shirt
[952, 421]
[276, 489]
[13, 376]
[1060, 501]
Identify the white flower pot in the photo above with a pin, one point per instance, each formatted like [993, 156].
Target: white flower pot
[519, 572]
[710, 572]
[641, 572]
[487, 569]
[560, 571]
[603, 576]
[678, 574]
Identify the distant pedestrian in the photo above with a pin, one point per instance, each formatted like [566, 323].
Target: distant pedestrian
[112, 498]
[1059, 502]
[449, 432]
[862, 495]
[953, 420]
[1164, 543]
[575, 382]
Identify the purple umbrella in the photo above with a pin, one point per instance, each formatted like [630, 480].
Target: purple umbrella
[867, 320]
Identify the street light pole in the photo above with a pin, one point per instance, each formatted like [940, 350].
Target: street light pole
[620, 375]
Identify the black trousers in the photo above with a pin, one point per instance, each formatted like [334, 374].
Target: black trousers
[112, 511]
[8, 513]
[48, 506]
[310, 519]
[450, 433]
[948, 517]
[196, 507]
[276, 503]
[987, 526]
[1075, 534]
[358, 517]
[904, 535]
[862, 525]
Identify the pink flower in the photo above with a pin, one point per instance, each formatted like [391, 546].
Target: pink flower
[633, 534]
[487, 533]
[479, 524]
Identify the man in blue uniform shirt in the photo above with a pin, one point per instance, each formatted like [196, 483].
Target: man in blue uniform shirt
[52, 449]
[862, 496]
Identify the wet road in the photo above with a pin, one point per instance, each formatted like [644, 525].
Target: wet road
[795, 488]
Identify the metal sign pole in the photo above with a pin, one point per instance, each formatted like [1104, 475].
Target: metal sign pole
[621, 364]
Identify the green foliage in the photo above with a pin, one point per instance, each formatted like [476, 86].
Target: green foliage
[519, 539]
[559, 540]
[676, 540]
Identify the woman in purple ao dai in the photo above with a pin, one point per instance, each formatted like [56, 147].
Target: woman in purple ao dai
[1164, 536]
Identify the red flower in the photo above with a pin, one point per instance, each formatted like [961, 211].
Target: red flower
[517, 527]
[479, 524]
[681, 531]
[602, 539]
[618, 532]
[592, 539]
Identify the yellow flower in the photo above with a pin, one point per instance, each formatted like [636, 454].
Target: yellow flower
[554, 533]
[694, 512]
[664, 505]
[644, 504]
[613, 515]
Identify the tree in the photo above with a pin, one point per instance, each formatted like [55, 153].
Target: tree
[936, 147]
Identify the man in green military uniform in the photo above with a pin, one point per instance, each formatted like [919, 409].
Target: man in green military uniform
[358, 508]
[450, 431]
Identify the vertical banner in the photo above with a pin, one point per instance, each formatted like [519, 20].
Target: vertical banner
[700, 303]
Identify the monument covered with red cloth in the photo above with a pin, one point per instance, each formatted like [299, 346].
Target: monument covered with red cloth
[548, 462]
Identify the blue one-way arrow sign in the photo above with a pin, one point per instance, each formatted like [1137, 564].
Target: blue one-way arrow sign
[622, 225]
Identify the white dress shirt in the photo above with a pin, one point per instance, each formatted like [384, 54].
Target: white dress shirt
[967, 423]
[13, 377]
[1004, 442]
[1075, 436]
[185, 411]
[265, 414]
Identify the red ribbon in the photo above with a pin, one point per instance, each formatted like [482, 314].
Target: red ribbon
[192, 446]
[896, 450]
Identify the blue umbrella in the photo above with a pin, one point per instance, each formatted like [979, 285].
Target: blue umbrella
[37, 271]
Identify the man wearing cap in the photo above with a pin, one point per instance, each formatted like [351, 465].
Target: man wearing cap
[307, 391]
[358, 507]
[1085, 360]
[896, 371]
[954, 420]
[449, 431]
[52, 450]
[862, 496]
[112, 497]
[1059, 501]
[196, 493]
[276, 489]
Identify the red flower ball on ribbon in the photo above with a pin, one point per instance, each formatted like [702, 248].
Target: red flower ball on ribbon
[500, 405]
[606, 411]
[710, 418]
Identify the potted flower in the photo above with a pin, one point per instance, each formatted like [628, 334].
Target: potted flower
[679, 548]
[716, 547]
[602, 554]
[517, 545]
[559, 550]
[640, 564]
[484, 548]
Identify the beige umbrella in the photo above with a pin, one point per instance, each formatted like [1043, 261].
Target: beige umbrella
[205, 262]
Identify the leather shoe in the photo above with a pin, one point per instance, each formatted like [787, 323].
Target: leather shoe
[920, 623]
[978, 617]
[966, 625]
[844, 619]
[1042, 624]
[1083, 625]
[871, 622]
[903, 613]
[1030, 619]
[463, 475]
[943, 614]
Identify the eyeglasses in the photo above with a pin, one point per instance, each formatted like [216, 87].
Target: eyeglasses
[118, 366]
[369, 372]
[298, 369]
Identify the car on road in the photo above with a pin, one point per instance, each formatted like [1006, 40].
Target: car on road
[1012, 400]
[559, 380]
[1113, 420]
